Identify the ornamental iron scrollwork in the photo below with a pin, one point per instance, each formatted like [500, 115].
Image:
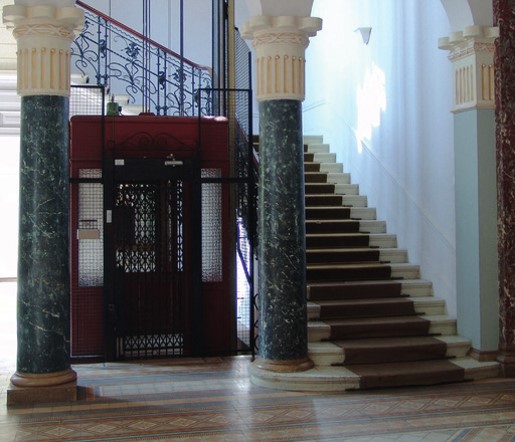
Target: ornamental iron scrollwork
[114, 57]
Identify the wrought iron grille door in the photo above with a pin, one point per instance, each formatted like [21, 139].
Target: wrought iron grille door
[154, 259]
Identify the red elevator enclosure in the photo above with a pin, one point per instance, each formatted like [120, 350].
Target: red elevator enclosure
[151, 261]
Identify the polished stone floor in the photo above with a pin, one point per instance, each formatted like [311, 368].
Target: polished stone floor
[213, 400]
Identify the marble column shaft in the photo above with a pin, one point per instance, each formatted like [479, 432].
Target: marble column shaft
[504, 13]
[282, 246]
[43, 264]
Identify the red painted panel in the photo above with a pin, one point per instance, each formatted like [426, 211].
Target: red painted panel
[148, 136]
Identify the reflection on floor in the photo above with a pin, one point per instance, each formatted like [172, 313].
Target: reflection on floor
[212, 399]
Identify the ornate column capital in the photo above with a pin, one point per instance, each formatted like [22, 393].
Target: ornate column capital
[280, 44]
[44, 34]
[471, 52]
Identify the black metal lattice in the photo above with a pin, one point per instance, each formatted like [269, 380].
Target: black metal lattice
[149, 246]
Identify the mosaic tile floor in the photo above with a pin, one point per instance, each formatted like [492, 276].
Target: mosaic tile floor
[213, 400]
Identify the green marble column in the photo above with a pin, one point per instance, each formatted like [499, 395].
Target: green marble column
[43, 276]
[282, 243]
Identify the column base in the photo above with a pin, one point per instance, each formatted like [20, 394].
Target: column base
[288, 366]
[507, 361]
[39, 388]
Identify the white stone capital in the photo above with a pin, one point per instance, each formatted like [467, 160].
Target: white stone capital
[280, 44]
[44, 34]
[471, 52]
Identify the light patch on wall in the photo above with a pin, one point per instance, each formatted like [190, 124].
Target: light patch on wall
[371, 102]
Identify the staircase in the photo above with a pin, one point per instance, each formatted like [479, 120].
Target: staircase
[373, 322]
[9, 104]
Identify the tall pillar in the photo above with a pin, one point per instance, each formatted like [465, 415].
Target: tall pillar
[280, 43]
[471, 53]
[504, 13]
[44, 33]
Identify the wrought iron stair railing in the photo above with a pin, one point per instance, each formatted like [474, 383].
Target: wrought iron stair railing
[128, 63]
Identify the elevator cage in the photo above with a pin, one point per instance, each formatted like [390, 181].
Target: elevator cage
[152, 250]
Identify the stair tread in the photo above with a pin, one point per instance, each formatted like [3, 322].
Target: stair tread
[392, 374]
[350, 265]
[385, 319]
[364, 301]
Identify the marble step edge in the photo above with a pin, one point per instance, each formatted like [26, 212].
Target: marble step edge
[9, 119]
[356, 213]
[333, 178]
[327, 353]
[339, 189]
[398, 270]
[328, 167]
[423, 305]
[346, 200]
[328, 157]
[439, 325]
[392, 255]
[10, 131]
[365, 226]
[313, 139]
[340, 379]
[317, 148]
[409, 287]
[379, 240]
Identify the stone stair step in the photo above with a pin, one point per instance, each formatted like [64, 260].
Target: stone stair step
[386, 350]
[341, 379]
[313, 139]
[315, 177]
[363, 213]
[317, 148]
[330, 199]
[331, 167]
[396, 374]
[330, 354]
[325, 157]
[10, 118]
[383, 240]
[347, 272]
[323, 240]
[333, 256]
[328, 213]
[339, 178]
[424, 306]
[390, 326]
[441, 325]
[354, 290]
[405, 270]
[367, 226]
[360, 308]
[332, 226]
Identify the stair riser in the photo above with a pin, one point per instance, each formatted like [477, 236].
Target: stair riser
[328, 213]
[337, 241]
[328, 257]
[354, 274]
[325, 354]
[353, 291]
[318, 148]
[333, 227]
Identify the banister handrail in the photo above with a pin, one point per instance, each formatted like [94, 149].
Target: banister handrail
[141, 36]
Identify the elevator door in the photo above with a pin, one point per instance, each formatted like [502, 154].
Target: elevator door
[154, 260]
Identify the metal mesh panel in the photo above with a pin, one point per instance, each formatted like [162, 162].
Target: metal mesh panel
[236, 105]
[211, 227]
[91, 230]
[242, 62]
[87, 100]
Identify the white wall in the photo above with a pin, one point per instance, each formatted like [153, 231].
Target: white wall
[385, 110]
[9, 183]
